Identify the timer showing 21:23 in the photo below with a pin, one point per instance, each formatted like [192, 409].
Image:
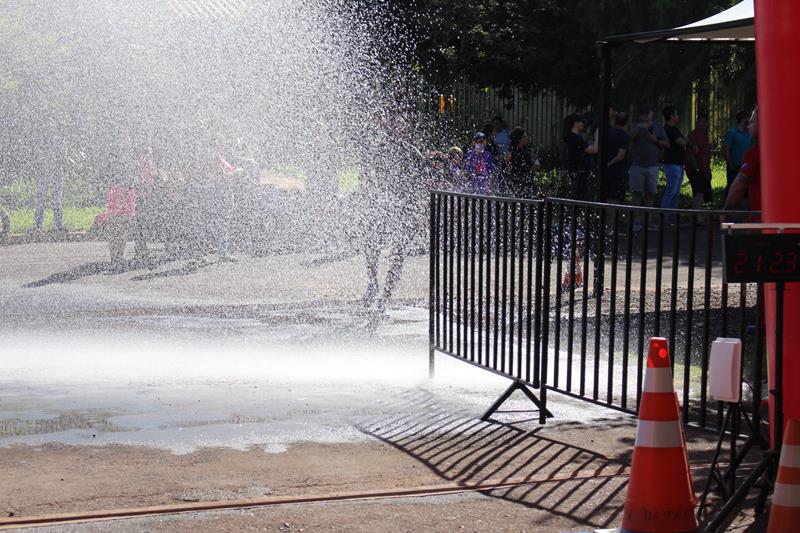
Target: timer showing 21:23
[754, 258]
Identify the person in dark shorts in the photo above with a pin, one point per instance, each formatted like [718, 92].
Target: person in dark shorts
[617, 141]
[698, 162]
[521, 164]
[647, 140]
[578, 150]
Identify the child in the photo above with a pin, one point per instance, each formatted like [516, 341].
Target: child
[479, 165]
[455, 158]
[117, 221]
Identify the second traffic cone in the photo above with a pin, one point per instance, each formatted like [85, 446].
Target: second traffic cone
[660, 494]
[784, 516]
[578, 279]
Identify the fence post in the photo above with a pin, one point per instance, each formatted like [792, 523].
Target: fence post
[545, 310]
[432, 285]
[537, 304]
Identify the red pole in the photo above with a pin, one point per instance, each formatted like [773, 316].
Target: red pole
[777, 60]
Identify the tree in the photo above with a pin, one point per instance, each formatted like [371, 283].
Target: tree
[551, 44]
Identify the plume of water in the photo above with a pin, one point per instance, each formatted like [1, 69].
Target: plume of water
[309, 90]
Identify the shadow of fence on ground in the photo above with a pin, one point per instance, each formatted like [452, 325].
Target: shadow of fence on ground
[564, 480]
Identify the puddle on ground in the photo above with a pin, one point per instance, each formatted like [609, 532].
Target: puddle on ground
[41, 424]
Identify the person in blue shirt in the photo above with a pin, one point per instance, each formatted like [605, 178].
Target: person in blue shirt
[502, 138]
[737, 142]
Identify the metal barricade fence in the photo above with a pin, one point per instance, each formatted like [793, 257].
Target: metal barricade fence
[562, 295]
[485, 262]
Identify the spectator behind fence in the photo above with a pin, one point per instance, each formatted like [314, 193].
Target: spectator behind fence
[49, 174]
[501, 137]
[145, 184]
[521, 164]
[455, 160]
[223, 175]
[436, 171]
[674, 158]
[578, 150]
[748, 180]
[491, 146]
[648, 138]
[616, 159]
[479, 166]
[737, 141]
[698, 162]
[118, 222]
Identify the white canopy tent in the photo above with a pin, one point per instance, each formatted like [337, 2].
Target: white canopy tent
[735, 25]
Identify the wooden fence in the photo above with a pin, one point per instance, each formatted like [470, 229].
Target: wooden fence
[468, 107]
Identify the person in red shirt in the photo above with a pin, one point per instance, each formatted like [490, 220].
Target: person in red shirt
[749, 177]
[698, 162]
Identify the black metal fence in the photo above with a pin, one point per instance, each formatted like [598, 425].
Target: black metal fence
[486, 259]
[562, 296]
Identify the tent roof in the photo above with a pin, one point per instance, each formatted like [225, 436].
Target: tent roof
[732, 25]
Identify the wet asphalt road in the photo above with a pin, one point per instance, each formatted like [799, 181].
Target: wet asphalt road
[263, 352]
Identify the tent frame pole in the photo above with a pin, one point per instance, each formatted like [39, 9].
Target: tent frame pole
[604, 49]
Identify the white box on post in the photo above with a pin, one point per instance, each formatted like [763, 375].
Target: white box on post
[726, 369]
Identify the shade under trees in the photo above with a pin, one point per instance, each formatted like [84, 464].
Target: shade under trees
[551, 44]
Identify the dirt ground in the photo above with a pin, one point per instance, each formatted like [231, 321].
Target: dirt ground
[418, 450]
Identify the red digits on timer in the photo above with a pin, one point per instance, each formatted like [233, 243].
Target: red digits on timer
[783, 263]
[778, 263]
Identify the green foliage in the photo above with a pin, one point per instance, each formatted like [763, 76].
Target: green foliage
[551, 44]
[18, 194]
[79, 192]
[348, 180]
[74, 219]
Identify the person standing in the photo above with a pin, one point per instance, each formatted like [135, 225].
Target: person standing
[674, 158]
[748, 180]
[50, 177]
[390, 208]
[648, 138]
[616, 152]
[578, 150]
[144, 187]
[455, 163]
[223, 203]
[521, 164]
[737, 141]
[698, 162]
[502, 138]
[479, 165]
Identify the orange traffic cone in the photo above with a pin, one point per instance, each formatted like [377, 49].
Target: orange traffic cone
[785, 513]
[568, 280]
[660, 494]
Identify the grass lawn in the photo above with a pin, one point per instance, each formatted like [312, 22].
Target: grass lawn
[80, 219]
[75, 219]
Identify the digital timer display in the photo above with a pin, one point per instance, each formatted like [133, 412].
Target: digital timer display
[761, 257]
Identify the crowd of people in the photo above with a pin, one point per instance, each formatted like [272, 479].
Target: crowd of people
[497, 162]
[637, 152]
[199, 211]
[193, 211]
[194, 217]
